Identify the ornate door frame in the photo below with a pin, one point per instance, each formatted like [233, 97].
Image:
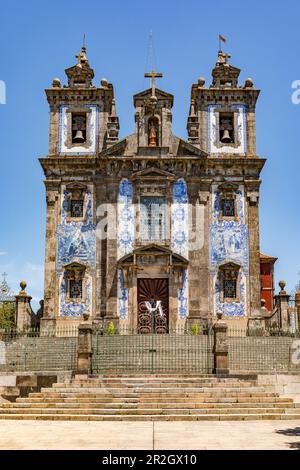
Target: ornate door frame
[152, 289]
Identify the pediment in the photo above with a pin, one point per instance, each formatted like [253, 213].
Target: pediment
[153, 251]
[160, 94]
[152, 173]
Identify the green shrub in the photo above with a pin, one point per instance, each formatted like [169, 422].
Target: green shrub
[110, 329]
[195, 329]
[7, 315]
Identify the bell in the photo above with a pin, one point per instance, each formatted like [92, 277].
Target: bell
[78, 137]
[226, 137]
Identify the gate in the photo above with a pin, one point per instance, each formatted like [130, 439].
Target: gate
[177, 351]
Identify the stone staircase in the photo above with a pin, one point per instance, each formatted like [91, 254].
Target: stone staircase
[165, 397]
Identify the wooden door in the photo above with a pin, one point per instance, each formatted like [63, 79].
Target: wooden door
[152, 290]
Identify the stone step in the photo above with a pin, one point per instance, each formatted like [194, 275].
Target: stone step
[145, 411]
[181, 405]
[155, 396]
[204, 389]
[153, 380]
[151, 396]
[109, 399]
[177, 417]
[137, 385]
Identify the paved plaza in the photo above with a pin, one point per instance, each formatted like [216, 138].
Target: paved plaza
[258, 435]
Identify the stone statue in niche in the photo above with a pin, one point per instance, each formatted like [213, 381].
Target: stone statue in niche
[153, 133]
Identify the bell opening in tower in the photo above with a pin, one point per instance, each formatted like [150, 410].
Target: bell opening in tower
[78, 128]
[226, 128]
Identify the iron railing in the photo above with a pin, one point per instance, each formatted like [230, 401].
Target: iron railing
[38, 350]
[179, 350]
[266, 350]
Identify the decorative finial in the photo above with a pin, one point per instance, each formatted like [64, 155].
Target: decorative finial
[104, 82]
[4, 275]
[192, 109]
[201, 82]
[249, 83]
[113, 108]
[56, 83]
[23, 285]
[282, 285]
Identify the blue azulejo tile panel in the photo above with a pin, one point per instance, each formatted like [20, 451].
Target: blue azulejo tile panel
[231, 309]
[183, 296]
[71, 309]
[180, 219]
[64, 131]
[180, 238]
[122, 296]
[240, 205]
[76, 242]
[229, 243]
[125, 223]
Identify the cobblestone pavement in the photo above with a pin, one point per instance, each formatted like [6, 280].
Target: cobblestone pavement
[146, 435]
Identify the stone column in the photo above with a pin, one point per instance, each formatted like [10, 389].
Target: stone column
[85, 348]
[297, 298]
[23, 308]
[252, 198]
[199, 201]
[111, 260]
[282, 300]
[220, 348]
[51, 307]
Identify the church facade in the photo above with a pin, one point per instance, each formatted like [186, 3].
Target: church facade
[152, 221]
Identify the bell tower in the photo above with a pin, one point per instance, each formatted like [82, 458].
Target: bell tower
[221, 122]
[222, 116]
[83, 125]
[82, 117]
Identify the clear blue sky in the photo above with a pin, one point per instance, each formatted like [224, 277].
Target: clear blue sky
[39, 40]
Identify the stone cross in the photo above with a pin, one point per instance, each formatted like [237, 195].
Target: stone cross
[153, 75]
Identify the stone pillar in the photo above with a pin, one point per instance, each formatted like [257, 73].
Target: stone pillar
[85, 349]
[111, 260]
[297, 299]
[23, 308]
[220, 349]
[282, 300]
[252, 198]
[51, 306]
[198, 285]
